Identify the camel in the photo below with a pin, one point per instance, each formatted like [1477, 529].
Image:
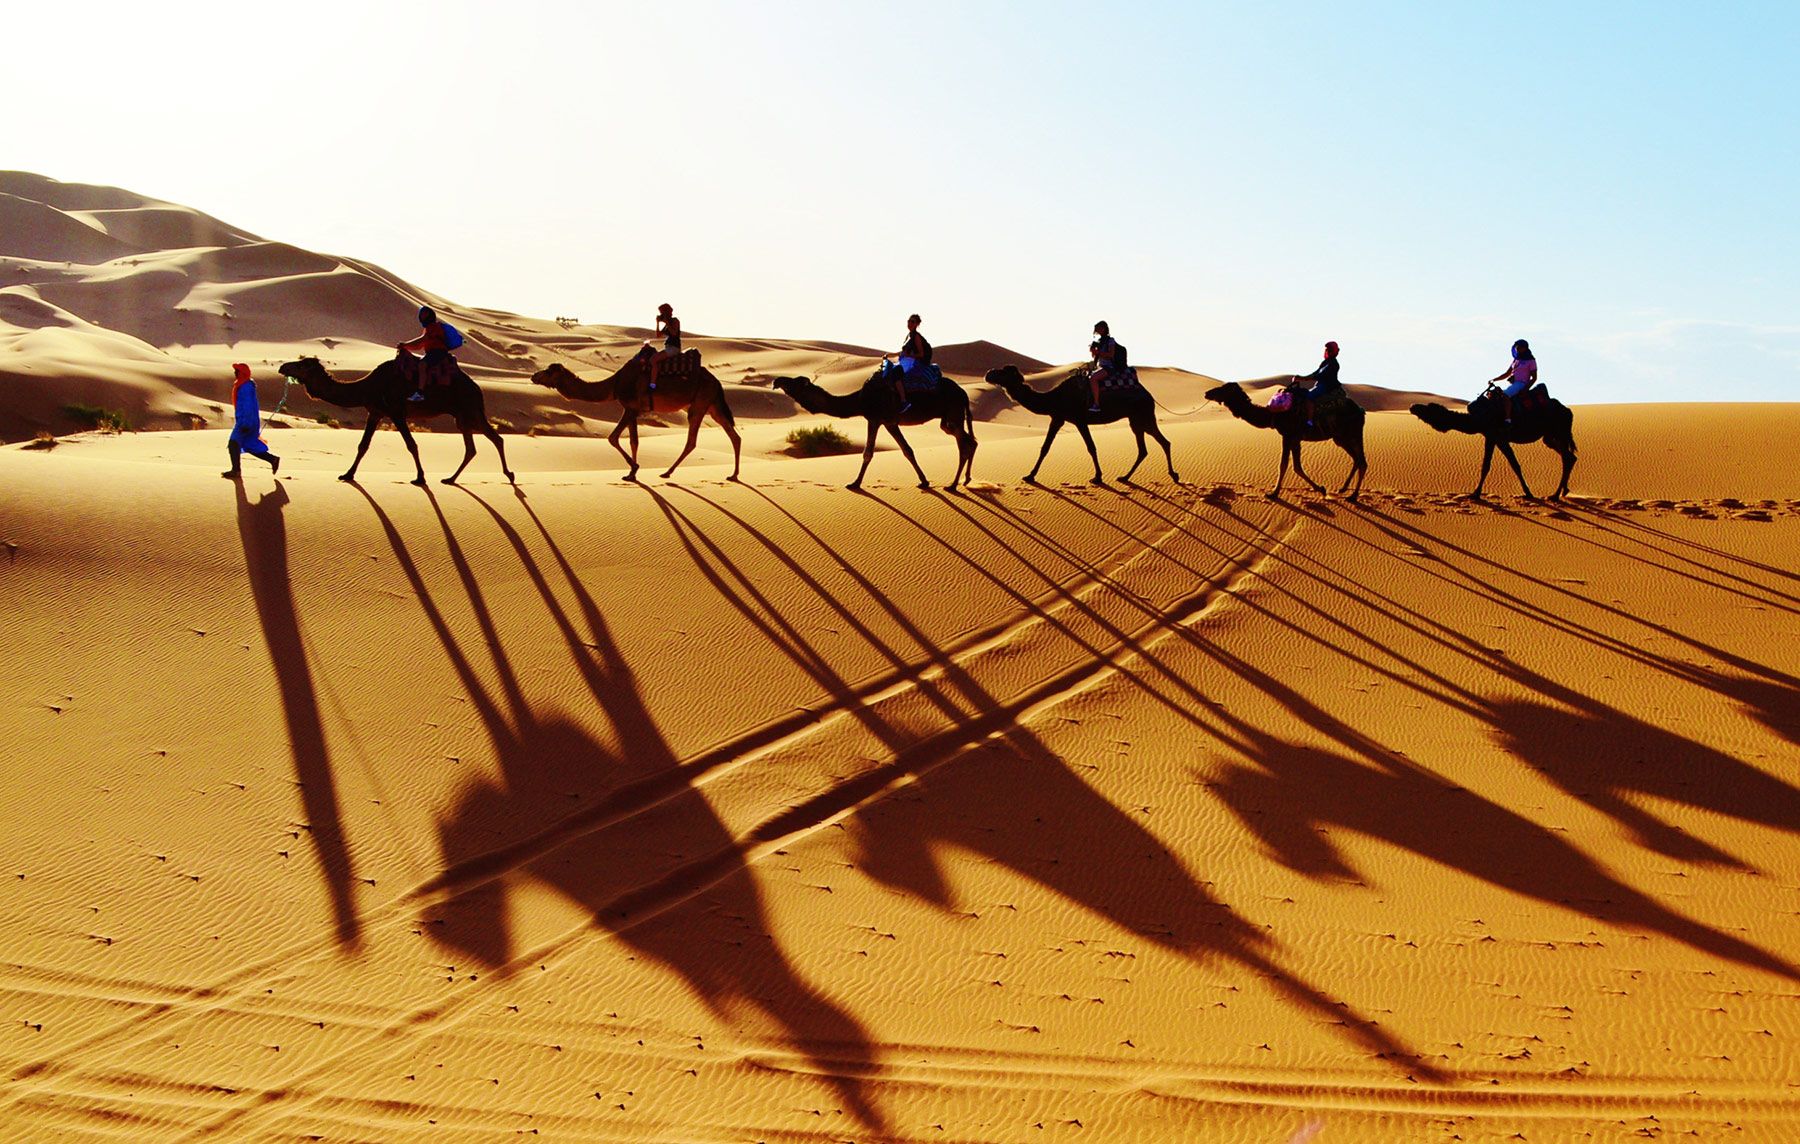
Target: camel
[693, 388]
[384, 392]
[1552, 422]
[1070, 402]
[1340, 421]
[875, 402]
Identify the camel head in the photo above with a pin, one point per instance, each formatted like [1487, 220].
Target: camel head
[308, 371]
[553, 375]
[1006, 377]
[1230, 395]
[1437, 416]
[793, 386]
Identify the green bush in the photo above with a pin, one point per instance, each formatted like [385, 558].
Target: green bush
[819, 441]
[94, 417]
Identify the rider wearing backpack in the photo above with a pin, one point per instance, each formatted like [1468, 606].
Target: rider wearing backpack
[915, 354]
[435, 342]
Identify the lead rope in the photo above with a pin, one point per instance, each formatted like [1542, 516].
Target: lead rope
[282, 404]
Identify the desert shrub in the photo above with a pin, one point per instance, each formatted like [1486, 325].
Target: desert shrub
[44, 440]
[502, 425]
[819, 441]
[94, 417]
[328, 421]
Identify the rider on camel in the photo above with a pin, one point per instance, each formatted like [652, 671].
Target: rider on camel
[1105, 352]
[669, 326]
[433, 343]
[915, 354]
[1522, 374]
[1324, 381]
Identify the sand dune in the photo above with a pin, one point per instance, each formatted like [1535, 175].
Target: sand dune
[707, 811]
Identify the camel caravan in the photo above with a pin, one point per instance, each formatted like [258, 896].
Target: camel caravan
[424, 381]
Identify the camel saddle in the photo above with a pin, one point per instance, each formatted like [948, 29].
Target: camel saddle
[682, 364]
[1528, 404]
[1124, 379]
[922, 377]
[437, 370]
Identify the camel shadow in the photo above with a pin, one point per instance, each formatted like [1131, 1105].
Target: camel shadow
[1290, 796]
[1601, 756]
[1002, 793]
[655, 867]
[262, 530]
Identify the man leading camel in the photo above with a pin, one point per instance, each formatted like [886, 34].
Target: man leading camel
[246, 433]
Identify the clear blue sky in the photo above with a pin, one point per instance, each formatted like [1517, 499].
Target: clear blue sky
[1228, 185]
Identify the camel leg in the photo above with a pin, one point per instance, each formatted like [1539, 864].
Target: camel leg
[1056, 424]
[737, 442]
[955, 432]
[1281, 477]
[468, 455]
[629, 420]
[893, 428]
[868, 453]
[493, 434]
[363, 445]
[1359, 467]
[1317, 487]
[1487, 461]
[694, 421]
[1506, 450]
[1087, 438]
[412, 447]
[1143, 451]
[969, 434]
[1565, 447]
[1156, 432]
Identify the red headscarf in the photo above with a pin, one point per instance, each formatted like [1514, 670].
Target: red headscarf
[240, 377]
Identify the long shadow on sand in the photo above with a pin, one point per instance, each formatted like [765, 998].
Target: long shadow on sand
[1423, 812]
[1000, 792]
[658, 869]
[263, 532]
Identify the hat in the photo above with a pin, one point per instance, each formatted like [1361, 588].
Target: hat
[240, 371]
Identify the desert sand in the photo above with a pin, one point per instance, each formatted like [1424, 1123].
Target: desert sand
[695, 810]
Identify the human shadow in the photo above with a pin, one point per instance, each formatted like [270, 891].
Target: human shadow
[1005, 795]
[262, 530]
[660, 871]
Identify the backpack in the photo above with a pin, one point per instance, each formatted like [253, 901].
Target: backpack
[1120, 362]
[453, 339]
[925, 358]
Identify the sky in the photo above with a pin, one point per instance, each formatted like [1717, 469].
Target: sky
[1228, 185]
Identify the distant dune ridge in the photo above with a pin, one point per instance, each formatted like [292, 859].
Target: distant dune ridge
[709, 811]
[113, 299]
